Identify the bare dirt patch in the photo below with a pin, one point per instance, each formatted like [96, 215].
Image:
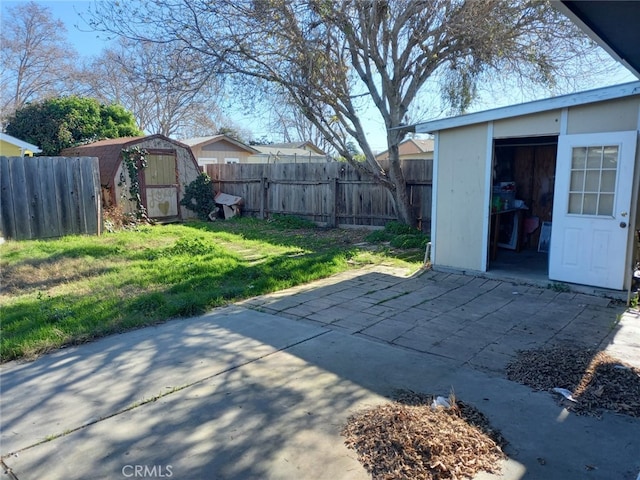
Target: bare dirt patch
[596, 380]
[409, 439]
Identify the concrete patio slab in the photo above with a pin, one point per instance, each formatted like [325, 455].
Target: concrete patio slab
[243, 394]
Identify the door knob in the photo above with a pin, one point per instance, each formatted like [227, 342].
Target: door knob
[623, 224]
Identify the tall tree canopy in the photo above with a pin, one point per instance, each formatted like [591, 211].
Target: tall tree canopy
[58, 123]
[36, 60]
[336, 59]
[163, 85]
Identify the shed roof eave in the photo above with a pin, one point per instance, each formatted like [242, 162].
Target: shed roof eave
[536, 106]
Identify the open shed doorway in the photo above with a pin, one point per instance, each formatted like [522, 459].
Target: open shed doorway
[521, 207]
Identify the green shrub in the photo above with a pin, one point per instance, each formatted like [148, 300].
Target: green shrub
[199, 197]
[410, 241]
[291, 221]
[399, 235]
[397, 228]
[379, 236]
[192, 247]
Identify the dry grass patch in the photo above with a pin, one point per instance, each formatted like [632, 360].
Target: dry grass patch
[410, 439]
[45, 275]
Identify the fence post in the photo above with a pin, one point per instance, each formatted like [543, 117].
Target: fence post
[333, 221]
[264, 185]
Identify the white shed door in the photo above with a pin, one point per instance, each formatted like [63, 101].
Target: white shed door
[592, 201]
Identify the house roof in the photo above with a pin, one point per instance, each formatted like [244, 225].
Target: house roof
[202, 141]
[613, 25]
[108, 152]
[423, 145]
[306, 145]
[19, 143]
[411, 146]
[274, 149]
[537, 106]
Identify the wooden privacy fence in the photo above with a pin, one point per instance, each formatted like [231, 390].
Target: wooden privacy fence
[331, 194]
[46, 197]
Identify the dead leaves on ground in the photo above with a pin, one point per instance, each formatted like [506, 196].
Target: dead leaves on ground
[596, 380]
[409, 439]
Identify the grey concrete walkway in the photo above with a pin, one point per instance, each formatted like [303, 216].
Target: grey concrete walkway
[261, 390]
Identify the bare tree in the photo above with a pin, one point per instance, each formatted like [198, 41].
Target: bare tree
[162, 84]
[36, 60]
[287, 121]
[336, 59]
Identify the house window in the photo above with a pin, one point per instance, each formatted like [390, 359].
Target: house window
[231, 160]
[593, 180]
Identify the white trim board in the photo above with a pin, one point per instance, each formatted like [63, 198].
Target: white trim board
[434, 196]
[488, 182]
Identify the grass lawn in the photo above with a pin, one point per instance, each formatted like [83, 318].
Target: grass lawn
[74, 289]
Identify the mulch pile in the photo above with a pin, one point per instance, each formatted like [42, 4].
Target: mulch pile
[597, 381]
[410, 439]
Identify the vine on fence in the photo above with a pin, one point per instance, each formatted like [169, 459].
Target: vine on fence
[134, 159]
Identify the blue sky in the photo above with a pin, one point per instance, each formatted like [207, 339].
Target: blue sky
[88, 43]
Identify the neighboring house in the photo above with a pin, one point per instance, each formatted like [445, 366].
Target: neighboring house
[300, 152]
[14, 147]
[412, 149]
[219, 149]
[170, 168]
[308, 146]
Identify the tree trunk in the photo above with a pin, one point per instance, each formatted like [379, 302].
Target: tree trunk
[400, 195]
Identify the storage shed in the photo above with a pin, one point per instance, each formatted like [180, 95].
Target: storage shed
[548, 187]
[170, 168]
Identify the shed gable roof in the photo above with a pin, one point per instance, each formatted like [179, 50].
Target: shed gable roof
[109, 152]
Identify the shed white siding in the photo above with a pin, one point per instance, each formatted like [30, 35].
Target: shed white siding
[459, 241]
[545, 123]
[613, 116]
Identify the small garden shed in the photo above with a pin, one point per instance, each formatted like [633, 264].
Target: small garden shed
[170, 168]
[553, 181]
